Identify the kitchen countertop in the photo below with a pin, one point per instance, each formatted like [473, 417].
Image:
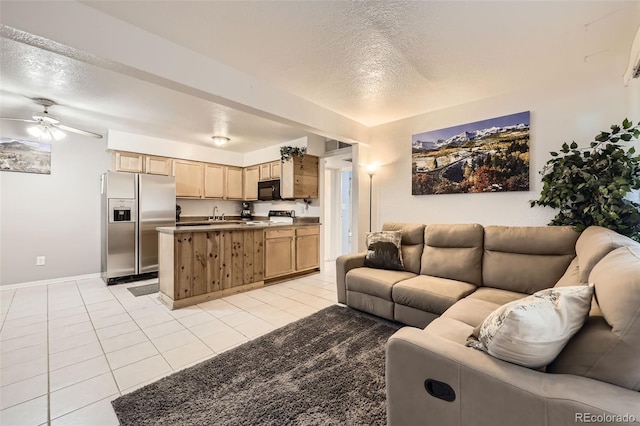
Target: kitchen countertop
[222, 226]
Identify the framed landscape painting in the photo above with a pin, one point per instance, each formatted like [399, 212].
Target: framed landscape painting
[484, 156]
[25, 156]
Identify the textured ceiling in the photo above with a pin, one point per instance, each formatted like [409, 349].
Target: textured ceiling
[97, 99]
[371, 61]
[378, 61]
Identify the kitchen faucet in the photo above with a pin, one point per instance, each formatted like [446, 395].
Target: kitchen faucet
[214, 210]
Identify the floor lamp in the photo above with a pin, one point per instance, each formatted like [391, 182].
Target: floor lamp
[371, 170]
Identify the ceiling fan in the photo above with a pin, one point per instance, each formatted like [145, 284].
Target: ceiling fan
[47, 127]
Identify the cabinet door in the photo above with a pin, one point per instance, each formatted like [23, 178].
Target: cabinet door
[275, 169]
[188, 178]
[234, 183]
[157, 165]
[307, 248]
[279, 256]
[265, 171]
[128, 162]
[214, 181]
[251, 176]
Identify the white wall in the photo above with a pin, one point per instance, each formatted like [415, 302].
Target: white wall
[565, 112]
[56, 215]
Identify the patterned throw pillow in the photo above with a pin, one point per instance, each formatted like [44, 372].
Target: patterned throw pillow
[383, 250]
[532, 331]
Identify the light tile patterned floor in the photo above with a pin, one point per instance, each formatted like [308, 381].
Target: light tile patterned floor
[68, 349]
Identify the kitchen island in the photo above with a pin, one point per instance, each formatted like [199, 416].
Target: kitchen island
[206, 262]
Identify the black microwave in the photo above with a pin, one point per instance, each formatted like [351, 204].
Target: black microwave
[269, 190]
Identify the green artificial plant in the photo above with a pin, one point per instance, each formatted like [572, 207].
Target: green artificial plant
[589, 185]
[287, 152]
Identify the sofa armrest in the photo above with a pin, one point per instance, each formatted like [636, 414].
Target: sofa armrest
[344, 264]
[491, 392]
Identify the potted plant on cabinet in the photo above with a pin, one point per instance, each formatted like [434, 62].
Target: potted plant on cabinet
[589, 186]
[287, 152]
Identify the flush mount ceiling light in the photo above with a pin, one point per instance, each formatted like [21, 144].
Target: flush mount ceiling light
[220, 140]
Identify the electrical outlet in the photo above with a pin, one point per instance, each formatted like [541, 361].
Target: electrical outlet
[40, 261]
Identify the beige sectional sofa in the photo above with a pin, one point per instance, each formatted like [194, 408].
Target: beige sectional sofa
[455, 276]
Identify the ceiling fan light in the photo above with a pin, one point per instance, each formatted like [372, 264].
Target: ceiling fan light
[220, 140]
[57, 134]
[35, 131]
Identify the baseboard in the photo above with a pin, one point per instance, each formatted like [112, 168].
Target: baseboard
[48, 282]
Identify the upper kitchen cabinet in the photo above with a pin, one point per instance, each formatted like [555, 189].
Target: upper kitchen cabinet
[269, 171]
[234, 183]
[265, 171]
[275, 167]
[189, 178]
[215, 180]
[299, 177]
[128, 162]
[157, 165]
[251, 177]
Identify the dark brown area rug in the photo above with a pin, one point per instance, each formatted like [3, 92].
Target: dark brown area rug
[326, 369]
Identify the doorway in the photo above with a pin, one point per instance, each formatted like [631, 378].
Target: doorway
[338, 206]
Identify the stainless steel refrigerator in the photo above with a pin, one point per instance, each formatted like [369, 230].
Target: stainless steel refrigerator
[133, 206]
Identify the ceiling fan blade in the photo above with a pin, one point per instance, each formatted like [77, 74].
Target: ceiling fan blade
[78, 131]
[18, 119]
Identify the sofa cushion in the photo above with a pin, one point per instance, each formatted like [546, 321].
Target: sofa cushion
[376, 282]
[383, 250]
[595, 243]
[453, 252]
[450, 329]
[470, 311]
[412, 243]
[496, 295]
[430, 294]
[608, 345]
[526, 259]
[532, 331]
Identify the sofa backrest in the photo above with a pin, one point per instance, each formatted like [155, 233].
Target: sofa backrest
[412, 242]
[454, 252]
[526, 259]
[607, 346]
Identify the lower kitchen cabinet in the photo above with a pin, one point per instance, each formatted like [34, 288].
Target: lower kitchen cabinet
[279, 252]
[307, 248]
[291, 250]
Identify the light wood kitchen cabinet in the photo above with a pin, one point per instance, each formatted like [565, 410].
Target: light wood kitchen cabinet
[128, 162]
[307, 248]
[279, 252]
[265, 171]
[157, 165]
[270, 171]
[189, 178]
[251, 176]
[234, 183]
[275, 166]
[214, 181]
[299, 177]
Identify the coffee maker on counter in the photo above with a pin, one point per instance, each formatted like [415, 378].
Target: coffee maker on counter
[245, 214]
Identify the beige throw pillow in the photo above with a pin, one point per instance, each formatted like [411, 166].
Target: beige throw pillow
[532, 331]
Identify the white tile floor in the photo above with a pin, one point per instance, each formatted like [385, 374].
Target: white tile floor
[68, 349]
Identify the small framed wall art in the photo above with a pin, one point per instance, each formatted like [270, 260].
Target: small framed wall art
[25, 156]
